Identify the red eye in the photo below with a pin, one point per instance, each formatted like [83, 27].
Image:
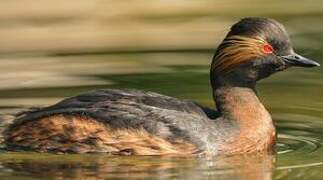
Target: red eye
[268, 49]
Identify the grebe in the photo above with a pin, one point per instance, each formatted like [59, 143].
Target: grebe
[132, 122]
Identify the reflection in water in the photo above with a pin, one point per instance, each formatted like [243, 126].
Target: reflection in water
[52, 51]
[294, 103]
[103, 166]
[299, 154]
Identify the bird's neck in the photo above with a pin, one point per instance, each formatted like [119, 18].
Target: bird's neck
[231, 101]
[241, 105]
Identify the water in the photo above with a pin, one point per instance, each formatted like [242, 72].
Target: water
[173, 61]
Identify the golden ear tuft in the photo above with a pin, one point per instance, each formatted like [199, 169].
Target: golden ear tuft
[235, 50]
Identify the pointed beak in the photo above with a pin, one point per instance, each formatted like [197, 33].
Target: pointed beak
[298, 60]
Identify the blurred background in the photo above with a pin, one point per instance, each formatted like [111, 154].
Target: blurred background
[61, 44]
[53, 49]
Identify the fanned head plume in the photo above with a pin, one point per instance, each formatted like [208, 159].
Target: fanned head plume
[248, 40]
[236, 50]
[254, 49]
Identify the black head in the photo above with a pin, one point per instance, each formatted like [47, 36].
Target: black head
[254, 49]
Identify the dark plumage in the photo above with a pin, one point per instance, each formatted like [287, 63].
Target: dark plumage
[160, 115]
[146, 123]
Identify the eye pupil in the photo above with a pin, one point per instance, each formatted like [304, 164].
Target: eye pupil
[268, 49]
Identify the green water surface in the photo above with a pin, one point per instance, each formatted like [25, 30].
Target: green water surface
[32, 77]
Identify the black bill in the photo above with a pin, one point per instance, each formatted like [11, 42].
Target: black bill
[298, 60]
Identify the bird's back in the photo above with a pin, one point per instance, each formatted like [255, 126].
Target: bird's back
[116, 121]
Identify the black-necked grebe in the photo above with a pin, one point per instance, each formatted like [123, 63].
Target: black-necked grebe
[130, 122]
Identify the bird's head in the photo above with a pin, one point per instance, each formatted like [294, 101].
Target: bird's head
[254, 49]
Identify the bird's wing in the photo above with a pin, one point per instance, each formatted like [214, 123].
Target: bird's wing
[158, 114]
